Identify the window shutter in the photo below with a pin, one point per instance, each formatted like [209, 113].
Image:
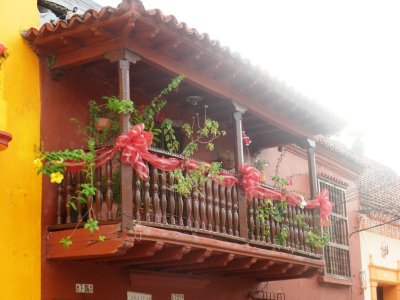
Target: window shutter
[336, 253]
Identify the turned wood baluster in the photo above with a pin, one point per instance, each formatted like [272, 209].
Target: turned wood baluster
[78, 203]
[146, 200]
[203, 217]
[301, 232]
[290, 226]
[164, 197]
[251, 219]
[216, 206]
[309, 221]
[188, 200]
[277, 230]
[235, 211]
[305, 230]
[109, 192]
[138, 197]
[59, 203]
[209, 205]
[68, 198]
[272, 231]
[223, 209]
[262, 224]
[196, 214]
[180, 209]
[296, 242]
[286, 224]
[171, 199]
[156, 199]
[99, 195]
[257, 220]
[229, 210]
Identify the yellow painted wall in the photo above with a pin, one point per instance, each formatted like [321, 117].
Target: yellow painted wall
[20, 187]
[378, 268]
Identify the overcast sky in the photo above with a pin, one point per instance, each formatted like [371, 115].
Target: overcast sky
[343, 54]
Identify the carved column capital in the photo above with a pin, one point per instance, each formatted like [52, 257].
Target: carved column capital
[239, 108]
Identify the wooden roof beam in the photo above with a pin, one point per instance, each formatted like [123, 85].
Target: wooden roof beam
[279, 269]
[79, 30]
[260, 265]
[213, 87]
[128, 27]
[237, 264]
[167, 45]
[147, 34]
[67, 41]
[166, 254]
[101, 32]
[191, 58]
[194, 257]
[220, 260]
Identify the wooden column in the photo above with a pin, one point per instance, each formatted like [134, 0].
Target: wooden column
[312, 169]
[239, 159]
[312, 174]
[124, 57]
[126, 170]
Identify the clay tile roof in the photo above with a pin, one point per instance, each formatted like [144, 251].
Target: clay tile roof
[342, 150]
[326, 121]
[379, 188]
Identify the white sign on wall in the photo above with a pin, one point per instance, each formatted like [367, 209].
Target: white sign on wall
[177, 297]
[84, 288]
[138, 296]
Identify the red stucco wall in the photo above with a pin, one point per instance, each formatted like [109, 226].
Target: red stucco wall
[68, 98]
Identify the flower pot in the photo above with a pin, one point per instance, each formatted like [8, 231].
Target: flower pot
[262, 177]
[103, 123]
[227, 163]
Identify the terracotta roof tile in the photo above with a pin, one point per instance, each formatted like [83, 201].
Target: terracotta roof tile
[155, 15]
[379, 188]
[342, 150]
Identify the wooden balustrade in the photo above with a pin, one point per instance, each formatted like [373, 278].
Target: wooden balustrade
[290, 233]
[210, 209]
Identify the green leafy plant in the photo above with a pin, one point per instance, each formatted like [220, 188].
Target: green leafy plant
[316, 239]
[194, 179]
[267, 208]
[147, 115]
[260, 164]
[66, 242]
[201, 132]
[282, 236]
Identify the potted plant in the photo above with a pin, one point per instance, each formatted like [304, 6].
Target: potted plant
[226, 158]
[260, 165]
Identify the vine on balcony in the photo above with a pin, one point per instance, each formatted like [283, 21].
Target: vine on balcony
[277, 212]
[54, 164]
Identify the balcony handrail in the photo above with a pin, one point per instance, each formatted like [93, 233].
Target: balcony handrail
[213, 211]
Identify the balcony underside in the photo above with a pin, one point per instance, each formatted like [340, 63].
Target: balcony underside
[154, 249]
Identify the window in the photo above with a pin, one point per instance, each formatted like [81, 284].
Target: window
[336, 254]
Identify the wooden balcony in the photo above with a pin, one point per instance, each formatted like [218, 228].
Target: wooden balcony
[199, 234]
